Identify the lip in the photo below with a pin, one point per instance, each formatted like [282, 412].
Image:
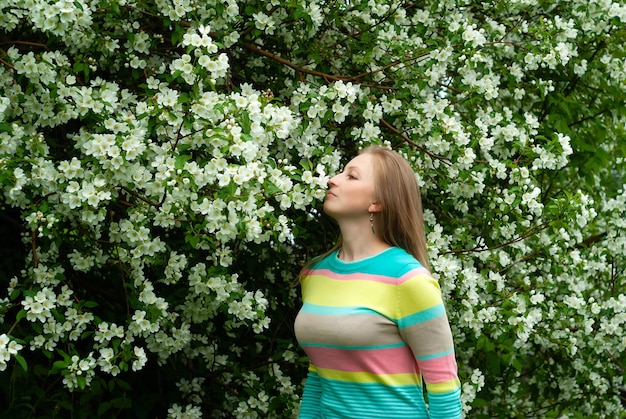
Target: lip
[329, 194]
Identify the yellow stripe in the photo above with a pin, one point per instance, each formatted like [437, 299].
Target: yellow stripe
[419, 293]
[366, 377]
[325, 291]
[422, 291]
[444, 387]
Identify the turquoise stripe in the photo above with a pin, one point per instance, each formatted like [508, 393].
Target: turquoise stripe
[335, 311]
[371, 400]
[445, 405]
[393, 262]
[422, 316]
[355, 348]
[434, 356]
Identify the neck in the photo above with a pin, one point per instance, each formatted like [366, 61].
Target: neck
[358, 242]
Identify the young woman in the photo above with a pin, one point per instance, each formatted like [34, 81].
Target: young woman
[373, 322]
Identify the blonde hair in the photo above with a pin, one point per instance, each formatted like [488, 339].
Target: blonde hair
[401, 222]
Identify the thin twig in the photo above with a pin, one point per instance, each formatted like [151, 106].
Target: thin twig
[413, 143]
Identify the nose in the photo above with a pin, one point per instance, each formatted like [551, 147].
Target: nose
[332, 181]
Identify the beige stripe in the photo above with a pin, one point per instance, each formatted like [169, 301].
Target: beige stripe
[347, 330]
[437, 331]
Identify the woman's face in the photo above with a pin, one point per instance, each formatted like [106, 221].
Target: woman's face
[352, 192]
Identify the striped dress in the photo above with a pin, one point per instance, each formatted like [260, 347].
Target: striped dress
[375, 331]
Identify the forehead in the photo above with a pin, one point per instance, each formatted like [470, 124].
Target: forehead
[362, 162]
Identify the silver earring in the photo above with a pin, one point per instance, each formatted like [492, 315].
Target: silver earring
[372, 222]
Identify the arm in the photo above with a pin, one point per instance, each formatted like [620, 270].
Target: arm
[310, 406]
[424, 326]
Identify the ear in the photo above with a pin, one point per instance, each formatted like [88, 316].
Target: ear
[375, 207]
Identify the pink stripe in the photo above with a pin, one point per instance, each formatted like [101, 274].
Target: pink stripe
[413, 273]
[368, 277]
[438, 370]
[378, 361]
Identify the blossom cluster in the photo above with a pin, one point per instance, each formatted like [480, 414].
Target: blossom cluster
[8, 348]
[168, 162]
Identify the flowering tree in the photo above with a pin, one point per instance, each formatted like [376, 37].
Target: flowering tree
[163, 164]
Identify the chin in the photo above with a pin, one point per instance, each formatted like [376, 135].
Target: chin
[327, 210]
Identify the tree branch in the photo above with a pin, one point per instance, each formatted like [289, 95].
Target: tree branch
[405, 138]
[326, 76]
[299, 69]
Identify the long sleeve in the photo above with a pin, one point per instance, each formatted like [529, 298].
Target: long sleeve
[423, 324]
[310, 406]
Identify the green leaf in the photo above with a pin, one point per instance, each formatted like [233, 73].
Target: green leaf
[114, 8]
[58, 366]
[86, 334]
[82, 381]
[192, 239]
[179, 164]
[78, 67]
[123, 385]
[20, 359]
[20, 315]
[244, 119]
[14, 294]
[104, 407]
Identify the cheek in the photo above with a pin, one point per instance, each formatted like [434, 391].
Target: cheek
[366, 192]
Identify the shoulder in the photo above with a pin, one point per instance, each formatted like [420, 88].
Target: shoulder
[401, 255]
[318, 262]
[411, 273]
[403, 263]
[323, 261]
